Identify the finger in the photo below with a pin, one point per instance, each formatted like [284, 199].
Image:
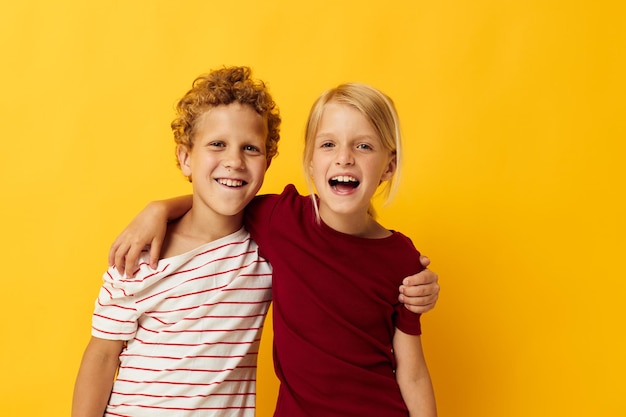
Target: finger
[419, 309]
[420, 290]
[425, 277]
[119, 257]
[424, 260]
[112, 252]
[418, 300]
[132, 259]
[111, 257]
[155, 252]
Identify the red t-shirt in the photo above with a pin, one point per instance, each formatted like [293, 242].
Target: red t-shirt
[335, 310]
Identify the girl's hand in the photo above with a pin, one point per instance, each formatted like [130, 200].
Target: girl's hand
[147, 229]
[420, 292]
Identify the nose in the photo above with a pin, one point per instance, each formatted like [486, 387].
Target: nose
[234, 160]
[344, 156]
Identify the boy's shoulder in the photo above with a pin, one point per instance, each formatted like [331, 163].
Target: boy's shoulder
[182, 257]
[179, 242]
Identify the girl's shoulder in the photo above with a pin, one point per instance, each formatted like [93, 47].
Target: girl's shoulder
[289, 198]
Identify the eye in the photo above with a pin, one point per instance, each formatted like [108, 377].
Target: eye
[251, 148]
[327, 145]
[364, 146]
[216, 144]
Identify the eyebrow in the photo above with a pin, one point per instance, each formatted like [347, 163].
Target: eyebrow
[358, 137]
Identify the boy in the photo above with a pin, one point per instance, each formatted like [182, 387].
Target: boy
[185, 337]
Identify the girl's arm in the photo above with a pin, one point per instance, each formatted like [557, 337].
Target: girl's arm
[412, 375]
[419, 292]
[95, 377]
[147, 228]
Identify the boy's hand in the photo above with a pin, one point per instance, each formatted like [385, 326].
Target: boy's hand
[420, 292]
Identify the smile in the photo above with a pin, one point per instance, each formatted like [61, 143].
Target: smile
[230, 182]
[343, 182]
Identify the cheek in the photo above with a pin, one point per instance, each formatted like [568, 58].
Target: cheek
[258, 167]
[312, 165]
[317, 171]
[319, 162]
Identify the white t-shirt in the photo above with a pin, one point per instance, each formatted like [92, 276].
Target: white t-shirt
[193, 328]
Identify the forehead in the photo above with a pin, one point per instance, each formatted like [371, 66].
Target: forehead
[234, 109]
[234, 117]
[341, 117]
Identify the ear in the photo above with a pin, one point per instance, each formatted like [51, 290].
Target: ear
[391, 169]
[184, 159]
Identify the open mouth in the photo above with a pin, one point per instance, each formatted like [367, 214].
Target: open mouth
[343, 183]
[231, 183]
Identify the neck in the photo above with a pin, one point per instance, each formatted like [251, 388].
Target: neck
[209, 226]
[360, 225]
[196, 229]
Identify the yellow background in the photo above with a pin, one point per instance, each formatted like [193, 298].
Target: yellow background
[513, 113]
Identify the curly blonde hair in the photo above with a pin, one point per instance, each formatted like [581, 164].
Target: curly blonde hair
[222, 87]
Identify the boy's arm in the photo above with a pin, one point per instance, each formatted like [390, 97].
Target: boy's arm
[95, 377]
[419, 292]
[147, 228]
[412, 375]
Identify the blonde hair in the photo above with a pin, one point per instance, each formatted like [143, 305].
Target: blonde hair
[378, 109]
[222, 87]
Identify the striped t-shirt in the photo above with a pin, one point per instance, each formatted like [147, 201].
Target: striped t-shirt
[193, 328]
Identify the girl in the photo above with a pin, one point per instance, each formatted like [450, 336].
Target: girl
[336, 355]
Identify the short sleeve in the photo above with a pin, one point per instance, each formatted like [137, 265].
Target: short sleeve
[407, 321]
[259, 215]
[115, 314]
[404, 319]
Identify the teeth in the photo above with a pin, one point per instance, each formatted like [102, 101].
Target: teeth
[230, 182]
[344, 178]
